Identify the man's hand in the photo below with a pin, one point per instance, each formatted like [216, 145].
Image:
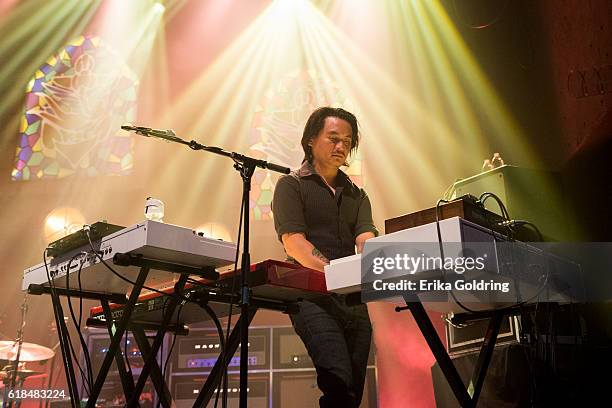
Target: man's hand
[361, 239]
[299, 248]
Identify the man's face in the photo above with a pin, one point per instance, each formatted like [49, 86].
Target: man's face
[332, 145]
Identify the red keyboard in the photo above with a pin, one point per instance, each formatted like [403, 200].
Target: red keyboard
[269, 280]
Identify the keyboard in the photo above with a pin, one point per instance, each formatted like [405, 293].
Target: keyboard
[531, 274]
[149, 239]
[269, 280]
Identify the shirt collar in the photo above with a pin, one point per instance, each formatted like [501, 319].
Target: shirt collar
[307, 169]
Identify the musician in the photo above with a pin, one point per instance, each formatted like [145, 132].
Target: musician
[319, 215]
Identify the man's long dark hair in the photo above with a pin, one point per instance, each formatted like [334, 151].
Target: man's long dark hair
[315, 124]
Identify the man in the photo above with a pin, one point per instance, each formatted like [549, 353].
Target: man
[319, 215]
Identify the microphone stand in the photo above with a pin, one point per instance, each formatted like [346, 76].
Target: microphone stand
[245, 165]
[12, 383]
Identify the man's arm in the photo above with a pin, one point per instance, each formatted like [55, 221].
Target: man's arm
[299, 248]
[361, 239]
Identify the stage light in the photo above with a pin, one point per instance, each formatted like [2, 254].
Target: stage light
[62, 221]
[419, 102]
[32, 32]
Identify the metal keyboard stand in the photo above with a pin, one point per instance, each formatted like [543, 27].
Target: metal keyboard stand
[466, 396]
[225, 356]
[150, 368]
[132, 392]
[127, 380]
[150, 353]
[117, 329]
[139, 329]
[104, 298]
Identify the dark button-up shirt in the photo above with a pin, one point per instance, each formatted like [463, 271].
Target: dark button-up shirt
[304, 203]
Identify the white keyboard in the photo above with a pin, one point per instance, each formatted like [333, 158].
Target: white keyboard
[151, 239]
[344, 275]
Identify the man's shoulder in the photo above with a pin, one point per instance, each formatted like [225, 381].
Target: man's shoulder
[287, 184]
[292, 178]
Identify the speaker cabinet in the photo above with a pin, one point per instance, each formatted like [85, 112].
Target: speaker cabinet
[290, 353]
[198, 352]
[461, 340]
[185, 390]
[299, 389]
[112, 394]
[281, 373]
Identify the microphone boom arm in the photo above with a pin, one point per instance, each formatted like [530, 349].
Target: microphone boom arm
[170, 136]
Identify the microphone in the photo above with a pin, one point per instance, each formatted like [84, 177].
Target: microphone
[149, 132]
[138, 129]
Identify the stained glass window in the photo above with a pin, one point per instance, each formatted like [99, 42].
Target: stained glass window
[74, 107]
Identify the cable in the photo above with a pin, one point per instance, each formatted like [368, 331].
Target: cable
[161, 349]
[210, 312]
[486, 195]
[126, 353]
[67, 349]
[461, 305]
[520, 223]
[530, 370]
[229, 316]
[165, 366]
[217, 324]
[85, 349]
[505, 214]
[510, 223]
[76, 360]
[178, 317]
[77, 323]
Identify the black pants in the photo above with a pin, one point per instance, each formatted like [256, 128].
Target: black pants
[337, 338]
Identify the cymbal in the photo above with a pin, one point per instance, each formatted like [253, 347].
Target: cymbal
[24, 373]
[29, 351]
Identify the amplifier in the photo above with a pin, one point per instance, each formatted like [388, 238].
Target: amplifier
[112, 391]
[294, 388]
[290, 353]
[468, 339]
[281, 373]
[198, 352]
[185, 389]
[98, 347]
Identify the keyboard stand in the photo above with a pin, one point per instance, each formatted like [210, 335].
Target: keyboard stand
[466, 396]
[127, 382]
[117, 329]
[62, 331]
[229, 349]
